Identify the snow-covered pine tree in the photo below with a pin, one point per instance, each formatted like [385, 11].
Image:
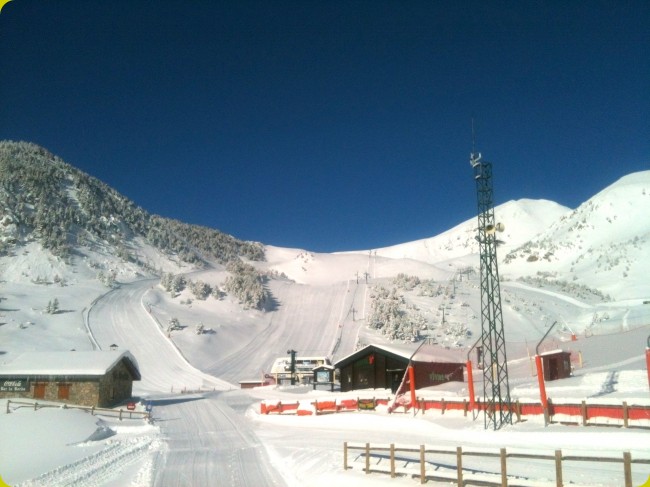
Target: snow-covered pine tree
[246, 284]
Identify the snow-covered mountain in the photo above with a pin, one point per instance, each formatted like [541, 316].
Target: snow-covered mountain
[523, 220]
[603, 244]
[68, 212]
[598, 254]
[584, 269]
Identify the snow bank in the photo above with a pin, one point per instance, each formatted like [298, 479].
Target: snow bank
[62, 446]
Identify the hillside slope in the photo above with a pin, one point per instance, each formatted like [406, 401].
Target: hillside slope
[584, 268]
[42, 198]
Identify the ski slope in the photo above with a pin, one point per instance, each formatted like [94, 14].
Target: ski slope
[320, 305]
[120, 318]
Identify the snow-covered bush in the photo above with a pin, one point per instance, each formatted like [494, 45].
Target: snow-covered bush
[430, 288]
[406, 282]
[217, 293]
[172, 283]
[108, 279]
[246, 284]
[200, 289]
[173, 325]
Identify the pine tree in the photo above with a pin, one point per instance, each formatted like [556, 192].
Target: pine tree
[52, 306]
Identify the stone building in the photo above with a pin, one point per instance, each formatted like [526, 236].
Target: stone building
[100, 379]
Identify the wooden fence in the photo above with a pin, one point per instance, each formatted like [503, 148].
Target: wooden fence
[114, 413]
[461, 477]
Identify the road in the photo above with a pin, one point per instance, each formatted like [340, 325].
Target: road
[120, 318]
[208, 441]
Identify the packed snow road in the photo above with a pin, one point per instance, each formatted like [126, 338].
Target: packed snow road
[119, 318]
[207, 441]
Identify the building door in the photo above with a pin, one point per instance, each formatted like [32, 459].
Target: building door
[395, 379]
[39, 390]
[64, 391]
[553, 369]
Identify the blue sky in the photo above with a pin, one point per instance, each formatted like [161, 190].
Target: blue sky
[331, 125]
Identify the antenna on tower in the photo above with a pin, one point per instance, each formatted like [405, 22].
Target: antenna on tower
[473, 137]
[474, 158]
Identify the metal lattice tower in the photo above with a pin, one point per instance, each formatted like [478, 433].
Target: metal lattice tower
[496, 388]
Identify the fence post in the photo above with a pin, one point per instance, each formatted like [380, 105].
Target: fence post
[558, 468]
[367, 458]
[120, 415]
[504, 471]
[345, 455]
[627, 467]
[580, 359]
[392, 460]
[548, 412]
[518, 410]
[423, 477]
[626, 414]
[470, 385]
[442, 406]
[583, 410]
[8, 401]
[465, 407]
[459, 465]
[542, 387]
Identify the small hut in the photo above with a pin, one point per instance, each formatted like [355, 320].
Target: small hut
[556, 364]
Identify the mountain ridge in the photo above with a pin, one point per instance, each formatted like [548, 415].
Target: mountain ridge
[46, 199]
[308, 299]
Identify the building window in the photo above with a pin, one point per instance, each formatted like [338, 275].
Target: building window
[39, 390]
[64, 391]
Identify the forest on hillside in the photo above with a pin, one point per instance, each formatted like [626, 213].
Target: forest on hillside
[45, 199]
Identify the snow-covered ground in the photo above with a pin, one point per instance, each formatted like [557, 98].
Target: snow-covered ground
[207, 431]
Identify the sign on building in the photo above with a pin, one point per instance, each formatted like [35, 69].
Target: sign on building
[14, 385]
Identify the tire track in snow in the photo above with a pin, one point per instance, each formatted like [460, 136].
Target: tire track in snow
[209, 443]
[98, 468]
